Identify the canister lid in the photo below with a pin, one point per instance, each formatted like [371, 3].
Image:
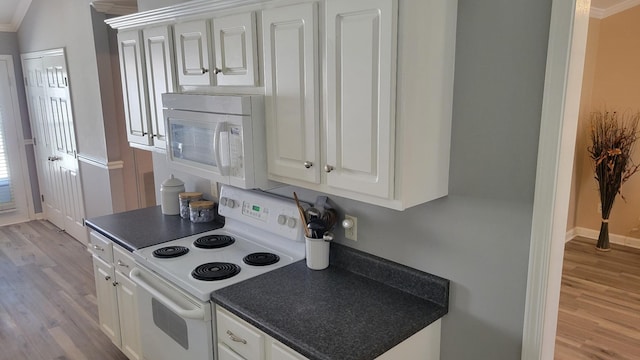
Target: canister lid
[206, 204]
[190, 195]
[172, 182]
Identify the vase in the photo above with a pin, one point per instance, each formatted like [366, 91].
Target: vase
[603, 238]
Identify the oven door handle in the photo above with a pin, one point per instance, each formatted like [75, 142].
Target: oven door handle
[197, 314]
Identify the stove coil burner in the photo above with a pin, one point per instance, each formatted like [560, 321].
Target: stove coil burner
[215, 271]
[261, 259]
[168, 252]
[213, 241]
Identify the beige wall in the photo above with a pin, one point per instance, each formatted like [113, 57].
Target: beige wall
[611, 81]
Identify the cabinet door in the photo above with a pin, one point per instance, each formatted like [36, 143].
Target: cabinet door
[128, 312]
[361, 42]
[290, 44]
[281, 352]
[107, 299]
[158, 47]
[235, 48]
[192, 53]
[224, 353]
[134, 87]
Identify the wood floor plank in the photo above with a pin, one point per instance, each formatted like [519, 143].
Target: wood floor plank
[599, 316]
[48, 307]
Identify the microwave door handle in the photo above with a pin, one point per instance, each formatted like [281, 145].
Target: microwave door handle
[218, 148]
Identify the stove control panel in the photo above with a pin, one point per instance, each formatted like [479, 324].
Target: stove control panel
[265, 211]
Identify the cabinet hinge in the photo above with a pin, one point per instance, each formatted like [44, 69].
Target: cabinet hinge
[42, 197]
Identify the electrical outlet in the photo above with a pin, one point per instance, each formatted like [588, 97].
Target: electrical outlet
[350, 225]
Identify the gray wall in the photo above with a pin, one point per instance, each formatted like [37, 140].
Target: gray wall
[9, 46]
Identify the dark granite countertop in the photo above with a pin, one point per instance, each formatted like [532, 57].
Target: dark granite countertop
[358, 308]
[146, 227]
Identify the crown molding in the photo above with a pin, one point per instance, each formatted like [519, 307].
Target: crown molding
[114, 7]
[600, 13]
[170, 13]
[21, 10]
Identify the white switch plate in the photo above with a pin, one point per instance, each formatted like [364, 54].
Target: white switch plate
[352, 232]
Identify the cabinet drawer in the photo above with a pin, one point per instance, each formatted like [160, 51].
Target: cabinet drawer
[122, 260]
[101, 246]
[240, 336]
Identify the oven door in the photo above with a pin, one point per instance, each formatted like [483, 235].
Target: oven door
[173, 325]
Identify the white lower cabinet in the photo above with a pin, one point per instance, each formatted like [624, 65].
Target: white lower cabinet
[239, 340]
[116, 295]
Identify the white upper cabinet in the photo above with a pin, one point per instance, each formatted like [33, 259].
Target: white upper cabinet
[235, 50]
[192, 53]
[134, 87]
[360, 95]
[290, 45]
[158, 47]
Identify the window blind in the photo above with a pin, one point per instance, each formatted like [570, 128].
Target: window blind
[7, 199]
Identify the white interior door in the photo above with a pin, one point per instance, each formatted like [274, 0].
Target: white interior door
[49, 100]
[38, 112]
[15, 203]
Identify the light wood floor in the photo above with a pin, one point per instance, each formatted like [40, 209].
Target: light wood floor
[47, 297]
[599, 315]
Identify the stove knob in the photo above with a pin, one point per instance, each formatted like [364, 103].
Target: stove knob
[231, 203]
[223, 201]
[282, 219]
[291, 222]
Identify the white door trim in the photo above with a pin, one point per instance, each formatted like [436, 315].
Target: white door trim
[22, 180]
[561, 99]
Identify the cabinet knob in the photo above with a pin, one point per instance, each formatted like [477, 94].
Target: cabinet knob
[115, 283]
[308, 164]
[96, 247]
[328, 168]
[122, 263]
[204, 71]
[107, 278]
[216, 70]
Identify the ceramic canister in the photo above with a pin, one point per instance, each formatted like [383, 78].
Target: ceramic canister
[169, 191]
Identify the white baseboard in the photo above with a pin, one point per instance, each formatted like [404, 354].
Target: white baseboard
[593, 234]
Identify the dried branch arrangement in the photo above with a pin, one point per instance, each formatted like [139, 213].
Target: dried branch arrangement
[613, 136]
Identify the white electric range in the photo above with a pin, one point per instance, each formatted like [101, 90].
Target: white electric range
[262, 232]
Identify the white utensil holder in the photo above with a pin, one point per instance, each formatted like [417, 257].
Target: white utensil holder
[317, 253]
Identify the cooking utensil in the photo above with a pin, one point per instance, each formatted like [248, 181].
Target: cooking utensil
[317, 227]
[327, 236]
[312, 213]
[303, 218]
[330, 217]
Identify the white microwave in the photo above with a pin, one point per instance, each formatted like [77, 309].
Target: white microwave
[220, 137]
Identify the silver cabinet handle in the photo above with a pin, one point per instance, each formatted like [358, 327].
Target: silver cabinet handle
[120, 263]
[107, 278]
[204, 71]
[328, 168]
[96, 247]
[235, 338]
[216, 70]
[115, 283]
[308, 164]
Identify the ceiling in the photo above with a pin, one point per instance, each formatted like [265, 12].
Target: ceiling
[12, 11]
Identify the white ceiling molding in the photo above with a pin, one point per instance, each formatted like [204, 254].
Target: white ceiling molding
[115, 7]
[18, 15]
[601, 13]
